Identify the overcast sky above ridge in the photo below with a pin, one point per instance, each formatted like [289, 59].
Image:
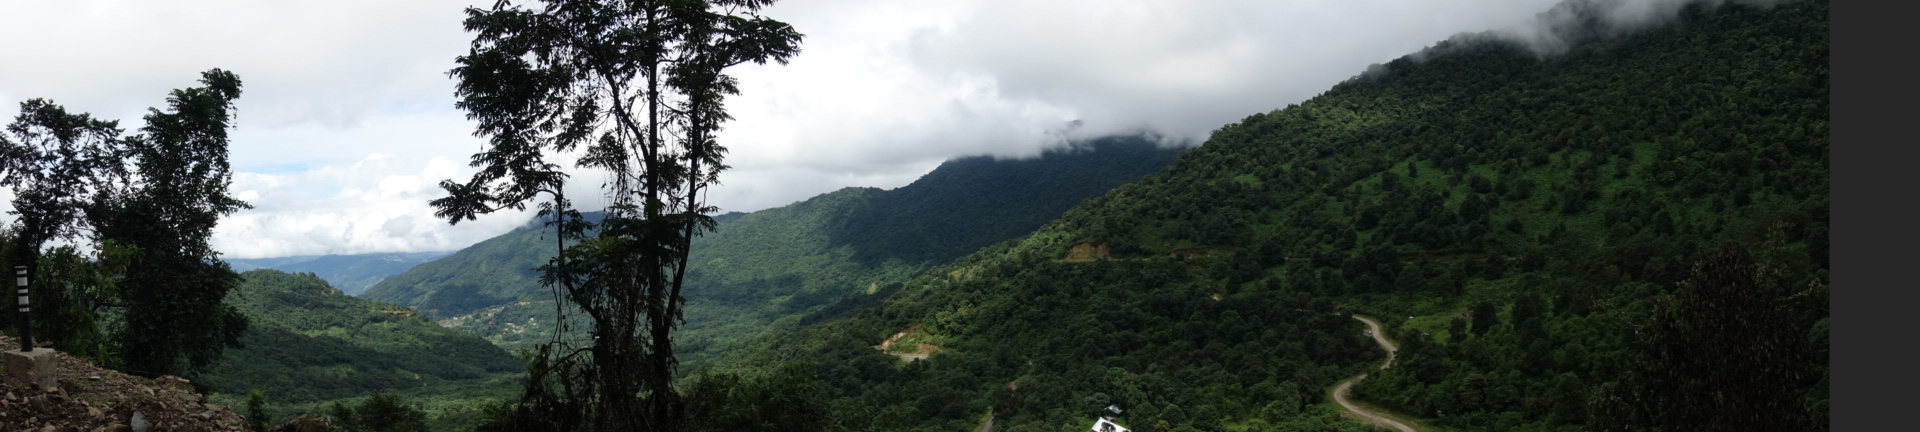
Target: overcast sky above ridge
[347, 120]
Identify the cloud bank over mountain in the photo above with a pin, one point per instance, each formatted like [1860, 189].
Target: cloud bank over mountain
[348, 123]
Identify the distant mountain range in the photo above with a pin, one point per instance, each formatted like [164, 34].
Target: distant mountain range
[762, 266]
[352, 274]
[1542, 222]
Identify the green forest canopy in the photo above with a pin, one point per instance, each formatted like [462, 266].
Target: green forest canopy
[1565, 198]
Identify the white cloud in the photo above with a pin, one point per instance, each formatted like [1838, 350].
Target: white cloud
[331, 63]
[1185, 68]
[348, 122]
[884, 85]
[377, 204]
[1546, 34]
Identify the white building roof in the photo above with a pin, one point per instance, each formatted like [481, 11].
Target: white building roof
[1102, 425]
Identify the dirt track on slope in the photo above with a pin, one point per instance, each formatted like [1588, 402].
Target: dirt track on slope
[1340, 392]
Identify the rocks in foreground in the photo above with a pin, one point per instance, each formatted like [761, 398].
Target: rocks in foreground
[90, 398]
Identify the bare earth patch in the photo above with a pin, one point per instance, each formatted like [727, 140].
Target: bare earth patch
[91, 398]
[1088, 251]
[1341, 392]
[909, 344]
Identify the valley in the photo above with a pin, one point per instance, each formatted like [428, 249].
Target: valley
[766, 269]
[352, 274]
[1629, 232]
[311, 345]
[1527, 241]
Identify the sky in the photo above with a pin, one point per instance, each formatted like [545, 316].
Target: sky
[347, 121]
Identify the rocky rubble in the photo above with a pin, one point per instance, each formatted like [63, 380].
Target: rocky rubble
[93, 399]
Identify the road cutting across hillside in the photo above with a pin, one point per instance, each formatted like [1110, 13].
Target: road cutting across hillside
[1340, 392]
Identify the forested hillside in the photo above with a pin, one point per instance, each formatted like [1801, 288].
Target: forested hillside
[492, 272]
[352, 274]
[1545, 233]
[778, 263]
[311, 344]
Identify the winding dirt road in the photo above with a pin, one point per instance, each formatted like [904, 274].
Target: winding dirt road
[1340, 391]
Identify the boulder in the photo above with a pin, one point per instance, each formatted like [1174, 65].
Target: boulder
[34, 368]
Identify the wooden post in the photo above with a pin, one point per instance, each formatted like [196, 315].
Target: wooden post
[26, 320]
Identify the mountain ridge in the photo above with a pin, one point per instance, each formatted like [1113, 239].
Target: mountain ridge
[353, 273]
[1525, 213]
[310, 344]
[763, 266]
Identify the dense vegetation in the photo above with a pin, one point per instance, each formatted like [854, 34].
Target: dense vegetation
[1527, 212]
[494, 271]
[352, 274]
[1627, 235]
[149, 302]
[1046, 343]
[781, 262]
[311, 344]
[636, 90]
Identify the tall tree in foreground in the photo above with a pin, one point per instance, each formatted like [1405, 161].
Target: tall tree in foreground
[167, 192]
[51, 158]
[150, 202]
[635, 88]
